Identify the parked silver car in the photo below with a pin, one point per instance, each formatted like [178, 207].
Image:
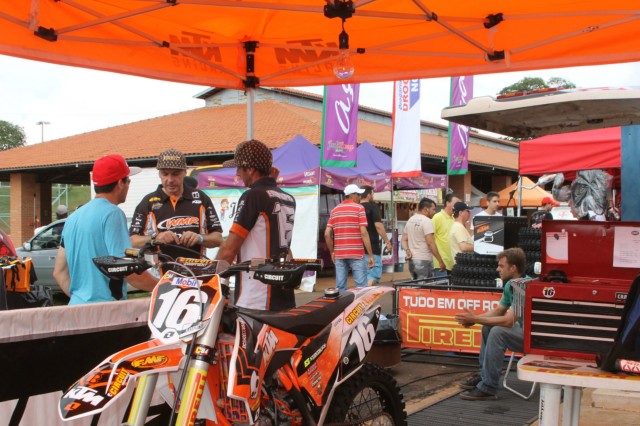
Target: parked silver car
[42, 248]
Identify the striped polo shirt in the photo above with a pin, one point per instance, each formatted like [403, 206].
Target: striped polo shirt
[345, 221]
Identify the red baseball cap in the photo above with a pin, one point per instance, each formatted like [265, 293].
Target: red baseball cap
[111, 168]
[549, 200]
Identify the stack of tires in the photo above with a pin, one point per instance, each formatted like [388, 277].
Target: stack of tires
[529, 241]
[474, 270]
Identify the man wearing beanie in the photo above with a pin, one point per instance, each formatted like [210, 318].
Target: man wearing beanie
[99, 228]
[262, 227]
[176, 213]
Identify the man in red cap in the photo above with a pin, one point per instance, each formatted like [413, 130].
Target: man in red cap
[545, 214]
[99, 228]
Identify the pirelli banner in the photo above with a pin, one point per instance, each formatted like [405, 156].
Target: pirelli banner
[427, 318]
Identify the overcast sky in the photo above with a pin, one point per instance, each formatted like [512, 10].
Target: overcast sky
[76, 100]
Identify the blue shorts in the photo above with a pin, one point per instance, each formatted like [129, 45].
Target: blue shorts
[375, 273]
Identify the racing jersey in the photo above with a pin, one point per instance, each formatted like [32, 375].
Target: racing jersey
[265, 220]
[158, 212]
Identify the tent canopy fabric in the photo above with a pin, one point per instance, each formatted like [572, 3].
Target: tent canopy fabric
[298, 161]
[530, 197]
[299, 164]
[248, 43]
[567, 152]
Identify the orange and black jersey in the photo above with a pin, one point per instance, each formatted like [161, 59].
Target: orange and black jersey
[158, 212]
[265, 220]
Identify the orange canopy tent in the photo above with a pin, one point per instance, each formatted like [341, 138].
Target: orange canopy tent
[530, 197]
[247, 43]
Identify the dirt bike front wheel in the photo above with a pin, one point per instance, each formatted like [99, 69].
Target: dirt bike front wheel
[369, 397]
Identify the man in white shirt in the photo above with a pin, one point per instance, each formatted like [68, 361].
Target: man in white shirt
[493, 204]
[419, 242]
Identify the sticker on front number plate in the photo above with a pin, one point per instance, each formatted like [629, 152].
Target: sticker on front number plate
[186, 282]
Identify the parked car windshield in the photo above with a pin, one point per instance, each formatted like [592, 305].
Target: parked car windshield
[49, 238]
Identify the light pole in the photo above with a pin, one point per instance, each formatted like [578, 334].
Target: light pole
[42, 124]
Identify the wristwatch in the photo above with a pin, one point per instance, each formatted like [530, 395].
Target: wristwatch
[201, 237]
[154, 234]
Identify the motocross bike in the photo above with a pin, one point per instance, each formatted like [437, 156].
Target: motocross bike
[216, 363]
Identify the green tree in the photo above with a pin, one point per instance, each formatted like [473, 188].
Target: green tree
[560, 83]
[11, 135]
[529, 84]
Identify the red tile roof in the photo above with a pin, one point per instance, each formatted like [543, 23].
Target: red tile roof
[210, 131]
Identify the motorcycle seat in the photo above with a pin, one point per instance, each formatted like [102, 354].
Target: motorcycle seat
[305, 320]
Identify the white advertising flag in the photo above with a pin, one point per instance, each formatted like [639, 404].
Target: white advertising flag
[405, 153]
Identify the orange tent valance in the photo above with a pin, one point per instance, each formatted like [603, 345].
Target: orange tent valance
[530, 197]
[244, 43]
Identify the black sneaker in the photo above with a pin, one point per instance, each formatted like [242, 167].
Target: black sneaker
[477, 395]
[471, 382]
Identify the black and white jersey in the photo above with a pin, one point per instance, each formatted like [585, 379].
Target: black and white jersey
[264, 220]
[158, 212]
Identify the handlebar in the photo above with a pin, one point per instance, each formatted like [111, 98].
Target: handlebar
[278, 272]
[263, 265]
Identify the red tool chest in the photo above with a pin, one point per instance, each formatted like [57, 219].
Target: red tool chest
[575, 307]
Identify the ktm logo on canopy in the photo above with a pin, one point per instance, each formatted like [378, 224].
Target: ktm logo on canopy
[295, 55]
[192, 40]
[200, 45]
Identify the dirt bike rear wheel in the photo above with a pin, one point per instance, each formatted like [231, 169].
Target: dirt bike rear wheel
[369, 397]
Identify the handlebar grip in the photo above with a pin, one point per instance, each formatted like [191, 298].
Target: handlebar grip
[310, 264]
[133, 252]
[232, 270]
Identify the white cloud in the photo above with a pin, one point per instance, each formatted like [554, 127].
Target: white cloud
[76, 100]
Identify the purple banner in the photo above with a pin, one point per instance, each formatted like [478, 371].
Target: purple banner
[424, 181]
[212, 181]
[379, 181]
[457, 161]
[340, 125]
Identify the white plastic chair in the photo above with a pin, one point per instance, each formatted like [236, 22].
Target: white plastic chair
[510, 389]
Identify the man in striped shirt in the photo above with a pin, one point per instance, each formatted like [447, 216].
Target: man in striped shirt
[347, 238]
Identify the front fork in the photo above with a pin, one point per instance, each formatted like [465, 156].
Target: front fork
[142, 400]
[192, 392]
[189, 402]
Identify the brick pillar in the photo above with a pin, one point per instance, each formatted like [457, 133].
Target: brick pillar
[461, 185]
[498, 183]
[21, 206]
[45, 214]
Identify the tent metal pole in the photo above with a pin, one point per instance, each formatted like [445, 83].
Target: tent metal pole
[319, 213]
[396, 244]
[519, 195]
[251, 99]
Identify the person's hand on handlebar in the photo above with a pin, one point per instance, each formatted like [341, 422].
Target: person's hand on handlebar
[190, 239]
[167, 237]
